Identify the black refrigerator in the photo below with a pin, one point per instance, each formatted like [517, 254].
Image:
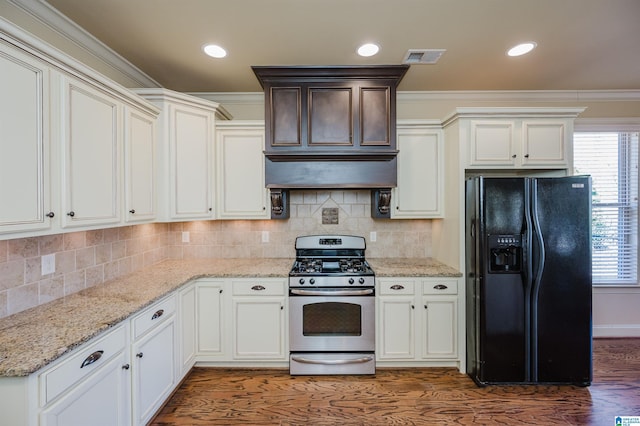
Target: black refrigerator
[528, 280]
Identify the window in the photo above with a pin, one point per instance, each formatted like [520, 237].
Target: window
[611, 158]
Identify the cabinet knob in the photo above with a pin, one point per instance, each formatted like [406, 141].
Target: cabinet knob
[140, 355]
[413, 307]
[50, 214]
[71, 213]
[526, 156]
[513, 156]
[132, 211]
[125, 367]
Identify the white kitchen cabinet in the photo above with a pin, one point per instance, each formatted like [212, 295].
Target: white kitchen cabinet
[153, 358]
[211, 320]
[187, 338]
[241, 188]
[396, 327]
[514, 138]
[259, 319]
[420, 189]
[90, 386]
[185, 151]
[418, 320]
[91, 154]
[139, 163]
[25, 143]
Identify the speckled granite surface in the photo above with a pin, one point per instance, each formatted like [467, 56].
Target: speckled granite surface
[410, 267]
[36, 337]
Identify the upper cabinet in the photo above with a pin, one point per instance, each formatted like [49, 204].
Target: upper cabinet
[91, 155]
[185, 152]
[24, 143]
[139, 159]
[515, 138]
[420, 189]
[240, 170]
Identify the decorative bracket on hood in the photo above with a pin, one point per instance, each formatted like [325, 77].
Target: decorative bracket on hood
[330, 127]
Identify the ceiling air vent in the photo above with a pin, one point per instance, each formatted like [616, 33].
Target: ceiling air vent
[423, 56]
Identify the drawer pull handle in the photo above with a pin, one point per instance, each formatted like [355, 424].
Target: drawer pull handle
[397, 287]
[92, 358]
[157, 314]
[258, 287]
[440, 287]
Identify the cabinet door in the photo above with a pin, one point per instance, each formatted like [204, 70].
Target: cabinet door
[210, 319]
[419, 193]
[492, 143]
[187, 342]
[259, 328]
[396, 327]
[330, 116]
[153, 370]
[24, 143]
[439, 327]
[139, 158]
[544, 143]
[91, 155]
[103, 399]
[191, 148]
[240, 170]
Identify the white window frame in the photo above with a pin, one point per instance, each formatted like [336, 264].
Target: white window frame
[611, 125]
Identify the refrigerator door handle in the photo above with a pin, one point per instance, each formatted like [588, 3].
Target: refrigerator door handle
[537, 278]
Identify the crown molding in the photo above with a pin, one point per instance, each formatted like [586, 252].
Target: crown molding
[522, 95]
[56, 21]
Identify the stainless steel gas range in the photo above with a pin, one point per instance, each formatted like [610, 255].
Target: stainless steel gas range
[331, 307]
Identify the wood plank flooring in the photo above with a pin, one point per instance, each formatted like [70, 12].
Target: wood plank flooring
[428, 396]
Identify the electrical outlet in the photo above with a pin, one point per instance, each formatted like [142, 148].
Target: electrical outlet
[48, 264]
[185, 237]
[373, 236]
[265, 236]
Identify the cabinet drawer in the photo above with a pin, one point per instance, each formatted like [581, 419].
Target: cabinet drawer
[152, 316]
[396, 286]
[86, 361]
[440, 286]
[258, 287]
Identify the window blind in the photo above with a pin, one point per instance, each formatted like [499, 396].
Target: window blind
[611, 158]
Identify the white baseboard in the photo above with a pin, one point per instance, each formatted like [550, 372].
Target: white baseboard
[616, 330]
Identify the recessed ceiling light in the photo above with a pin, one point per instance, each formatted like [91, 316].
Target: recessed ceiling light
[522, 49]
[214, 51]
[368, 49]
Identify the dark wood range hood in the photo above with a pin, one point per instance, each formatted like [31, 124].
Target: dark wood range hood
[330, 127]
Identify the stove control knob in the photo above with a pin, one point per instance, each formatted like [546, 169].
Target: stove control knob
[301, 280]
[361, 280]
[312, 281]
[351, 281]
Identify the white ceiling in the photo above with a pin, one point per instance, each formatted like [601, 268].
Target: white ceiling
[582, 44]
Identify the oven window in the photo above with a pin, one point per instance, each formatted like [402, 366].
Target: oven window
[332, 319]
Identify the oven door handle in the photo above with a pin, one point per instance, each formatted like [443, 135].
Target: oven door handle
[304, 360]
[300, 292]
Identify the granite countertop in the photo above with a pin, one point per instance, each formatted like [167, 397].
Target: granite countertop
[31, 339]
[411, 267]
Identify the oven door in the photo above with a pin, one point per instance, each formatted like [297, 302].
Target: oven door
[330, 320]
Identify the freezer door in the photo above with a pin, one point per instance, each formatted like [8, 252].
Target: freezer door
[561, 302]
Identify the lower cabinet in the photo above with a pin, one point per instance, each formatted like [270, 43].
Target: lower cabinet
[91, 387]
[259, 322]
[242, 320]
[153, 358]
[417, 320]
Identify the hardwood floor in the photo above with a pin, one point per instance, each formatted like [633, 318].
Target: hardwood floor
[428, 396]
